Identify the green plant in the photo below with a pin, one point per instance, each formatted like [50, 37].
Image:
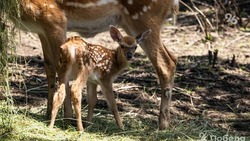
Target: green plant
[8, 9]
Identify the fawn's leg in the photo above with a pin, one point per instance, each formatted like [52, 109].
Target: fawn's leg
[107, 90]
[163, 61]
[68, 111]
[76, 96]
[64, 76]
[91, 99]
[57, 103]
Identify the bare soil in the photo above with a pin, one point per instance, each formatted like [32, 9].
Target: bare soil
[219, 94]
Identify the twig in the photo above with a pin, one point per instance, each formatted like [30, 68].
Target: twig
[127, 87]
[181, 91]
[190, 96]
[245, 2]
[204, 16]
[204, 4]
[36, 88]
[202, 28]
[137, 79]
[235, 40]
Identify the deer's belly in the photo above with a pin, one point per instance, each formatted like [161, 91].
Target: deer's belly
[89, 28]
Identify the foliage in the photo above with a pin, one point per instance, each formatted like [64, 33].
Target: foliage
[9, 9]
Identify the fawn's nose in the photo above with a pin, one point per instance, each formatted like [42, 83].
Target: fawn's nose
[129, 56]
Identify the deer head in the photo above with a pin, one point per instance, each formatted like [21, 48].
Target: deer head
[128, 44]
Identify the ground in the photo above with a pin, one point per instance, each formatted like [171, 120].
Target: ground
[205, 96]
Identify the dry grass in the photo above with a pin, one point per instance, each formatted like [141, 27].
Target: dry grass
[30, 125]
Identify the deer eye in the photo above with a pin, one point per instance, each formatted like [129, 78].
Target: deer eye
[122, 46]
[136, 47]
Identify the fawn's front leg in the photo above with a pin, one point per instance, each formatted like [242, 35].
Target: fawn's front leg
[91, 99]
[107, 90]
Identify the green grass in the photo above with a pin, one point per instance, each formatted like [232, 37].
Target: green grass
[31, 125]
[8, 9]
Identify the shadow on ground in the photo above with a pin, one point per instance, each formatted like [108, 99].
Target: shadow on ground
[220, 95]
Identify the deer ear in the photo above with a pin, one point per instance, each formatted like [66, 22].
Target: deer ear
[142, 37]
[115, 34]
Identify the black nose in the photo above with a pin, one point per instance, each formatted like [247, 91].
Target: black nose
[129, 56]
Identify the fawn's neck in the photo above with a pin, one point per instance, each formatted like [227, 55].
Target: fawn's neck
[120, 60]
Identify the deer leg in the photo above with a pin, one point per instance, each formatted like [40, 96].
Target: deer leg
[165, 68]
[55, 37]
[76, 96]
[91, 99]
[64, 75]
[108, 93]
[57, 42]
[50, 72]
[57, 102]
[164, 63]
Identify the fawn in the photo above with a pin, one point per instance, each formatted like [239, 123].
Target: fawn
[93, 65]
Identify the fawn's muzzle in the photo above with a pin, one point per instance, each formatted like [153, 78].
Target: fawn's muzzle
[129, 56]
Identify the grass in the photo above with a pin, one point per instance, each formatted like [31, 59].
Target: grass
[9, 9]
[31, 125]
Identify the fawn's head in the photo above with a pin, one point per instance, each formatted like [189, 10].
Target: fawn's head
[128, 44]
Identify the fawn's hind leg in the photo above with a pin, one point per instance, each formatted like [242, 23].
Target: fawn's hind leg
[76, 96]
[63, 76]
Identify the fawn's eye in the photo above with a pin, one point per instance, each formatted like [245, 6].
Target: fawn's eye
[122, 46]
[136, 47]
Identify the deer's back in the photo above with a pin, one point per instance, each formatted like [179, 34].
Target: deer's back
[97, 60]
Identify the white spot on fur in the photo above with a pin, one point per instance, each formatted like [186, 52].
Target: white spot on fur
[72, 51]
[99, 59]
[135, 16]
[130, 2]
[91, 4]
[49, 15]
[145, 8]
[107, 61]
[126, 11]
[51, 6]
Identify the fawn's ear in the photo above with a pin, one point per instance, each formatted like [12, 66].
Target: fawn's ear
[115, 34]
[142, 37]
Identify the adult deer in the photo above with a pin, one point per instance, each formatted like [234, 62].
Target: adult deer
[50, 19]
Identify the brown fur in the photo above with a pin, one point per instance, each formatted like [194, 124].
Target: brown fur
[52, 18]
[92, 65]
